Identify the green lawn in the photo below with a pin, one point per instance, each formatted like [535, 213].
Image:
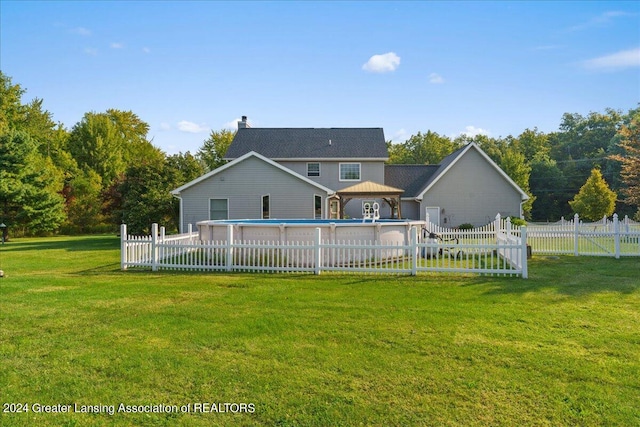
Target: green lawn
[561, 348]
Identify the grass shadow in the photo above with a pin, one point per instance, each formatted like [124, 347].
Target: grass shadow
[81, 243]
[111, 268]
[572, 276]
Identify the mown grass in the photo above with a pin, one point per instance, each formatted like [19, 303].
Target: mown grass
[561, 348]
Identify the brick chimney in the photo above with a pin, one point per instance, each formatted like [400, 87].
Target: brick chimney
[242, 124]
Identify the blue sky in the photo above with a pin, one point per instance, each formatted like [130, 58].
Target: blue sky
[450, 67]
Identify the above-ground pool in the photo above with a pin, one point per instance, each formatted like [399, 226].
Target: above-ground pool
[383, 231]
[347, 241]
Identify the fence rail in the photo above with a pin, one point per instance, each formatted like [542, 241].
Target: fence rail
[497, 248]
[502, 256]
[613, 238]
[608, 237]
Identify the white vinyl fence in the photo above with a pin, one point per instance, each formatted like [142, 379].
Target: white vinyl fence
[612, 238]
[505, 254]
[608, 237]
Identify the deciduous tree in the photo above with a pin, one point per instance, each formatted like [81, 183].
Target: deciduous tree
[214, 148]
[422, 149]
[630, 143]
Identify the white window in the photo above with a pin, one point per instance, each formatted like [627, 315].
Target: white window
[313, 169]
[266, 207]
[349, 171]
[218, 209]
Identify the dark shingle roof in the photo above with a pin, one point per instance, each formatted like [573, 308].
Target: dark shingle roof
[412, 178]
[310, 143]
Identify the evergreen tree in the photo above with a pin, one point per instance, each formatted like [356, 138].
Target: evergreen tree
[595, 199]
[27, 201]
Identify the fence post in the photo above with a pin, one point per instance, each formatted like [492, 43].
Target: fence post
[616, 235]
[190, 231]
[414, 251]
[317, 251]
[154, 247]
[576, 235]
[626, 224]
[123, 246]
[523, 252]
[496, 227]
[229, 248]
[161, 244]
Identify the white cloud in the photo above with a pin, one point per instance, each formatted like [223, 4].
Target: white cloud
[472, 131]
[190, 127]
[233, 124]
[384, 63]
[81, 31]
[436, 79]
[602, 20]
[400, 136]
[116, 45]
[165, 126]
[616, 61]
[91, 51]
[146, 50]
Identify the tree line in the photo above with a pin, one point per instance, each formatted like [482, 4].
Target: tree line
[91, 178]
[600, 149]
[105, 171]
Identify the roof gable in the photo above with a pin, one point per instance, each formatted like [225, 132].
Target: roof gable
[448, 162]
[310, 143]
[226, 166]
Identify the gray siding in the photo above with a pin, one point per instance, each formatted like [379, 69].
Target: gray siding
[330, 172]
[243, 185]
[472, 192]
[410, 209]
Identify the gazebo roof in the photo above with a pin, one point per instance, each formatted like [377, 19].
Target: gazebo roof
[370, 188]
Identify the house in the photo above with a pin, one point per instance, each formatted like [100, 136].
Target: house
[288, 173]
[467, 187]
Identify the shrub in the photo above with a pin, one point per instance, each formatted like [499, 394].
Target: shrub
[465, 226]
[518, 221]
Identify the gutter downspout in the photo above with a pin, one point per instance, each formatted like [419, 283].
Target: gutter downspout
[327, 205]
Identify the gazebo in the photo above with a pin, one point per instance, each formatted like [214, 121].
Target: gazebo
[373, 190]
